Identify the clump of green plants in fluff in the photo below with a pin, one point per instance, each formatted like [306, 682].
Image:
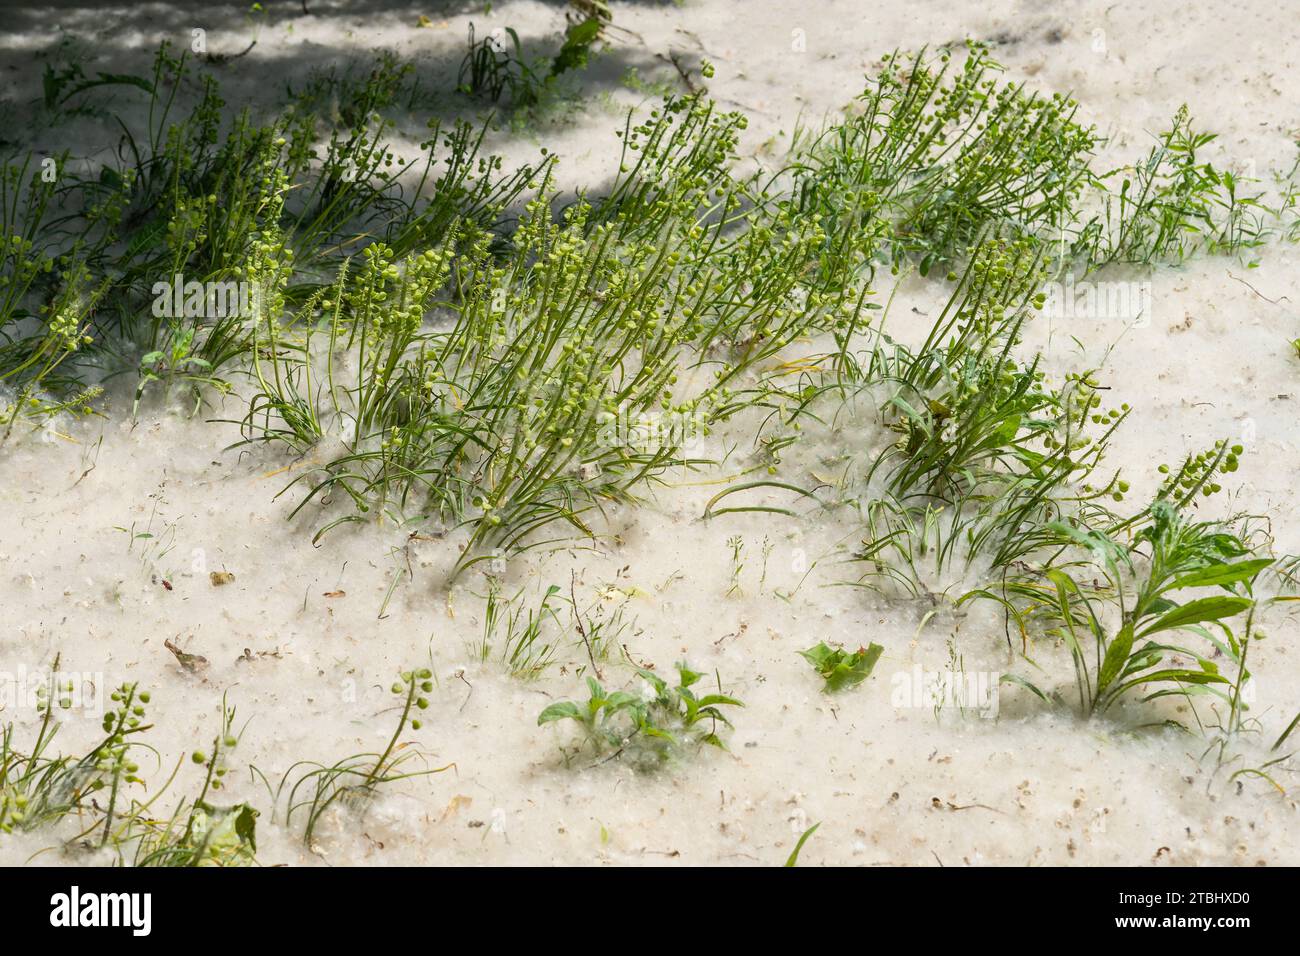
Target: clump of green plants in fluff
[1020, 495]
[38, 789]
[996, 473]
[962, 404]
[991, 454]
[1136, 577]
[933, 152]
[221, 202]
[987, 451]
[1171, 204]
[992, 459]
[519, 404]
[35, 787]
[525, 638]
[47, 298]
[270, 209]
[494, 66]
[649, 725]
[446, 412]
[182, 202]
[1156, 585]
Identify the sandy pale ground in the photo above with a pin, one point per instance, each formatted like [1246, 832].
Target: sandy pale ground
[297, 643]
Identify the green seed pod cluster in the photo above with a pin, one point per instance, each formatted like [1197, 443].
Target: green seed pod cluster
[412, 687]
[1197, 473]
[112, 760]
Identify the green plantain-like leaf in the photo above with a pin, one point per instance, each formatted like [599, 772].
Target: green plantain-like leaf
[559, 711]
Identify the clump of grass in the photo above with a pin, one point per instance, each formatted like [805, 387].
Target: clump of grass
[517, 633]
[988, 450]
[933, 154]
[46, 301]
[220, 201]
[646, 726]
[491, 69]
[998, 517]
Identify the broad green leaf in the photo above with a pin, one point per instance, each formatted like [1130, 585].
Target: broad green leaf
[559, 711]
[1116, 657]
[687, 676]
[817, 655]
[714, 699]
[1221, 574]
[1180, 674]
[1203, 609]
[621, 700]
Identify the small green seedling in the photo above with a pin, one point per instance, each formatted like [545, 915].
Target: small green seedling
[793, 859]
[650, 725]
[840, 668]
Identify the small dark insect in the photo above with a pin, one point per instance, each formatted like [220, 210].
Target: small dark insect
[167, 584]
